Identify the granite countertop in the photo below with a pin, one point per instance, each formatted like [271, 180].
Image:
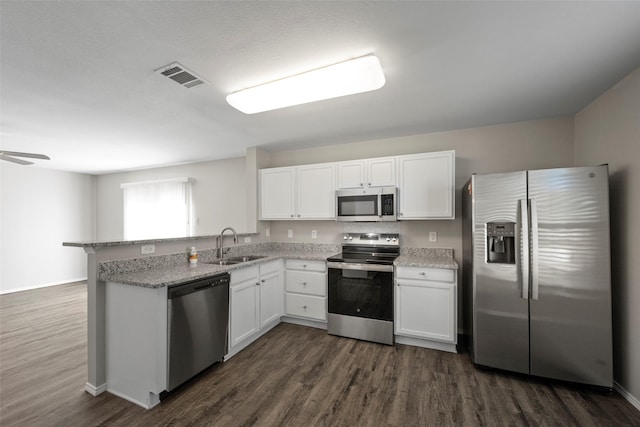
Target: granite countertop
[426, 262]
[426, 258]
[179, 273]
[158, 272]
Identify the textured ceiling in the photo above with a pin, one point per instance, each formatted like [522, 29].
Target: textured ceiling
[78, 81]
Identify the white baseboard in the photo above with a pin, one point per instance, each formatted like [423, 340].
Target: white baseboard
[152, 401]
[434, 345]
[305, 322]
[93, 390]
[43, 285]
[630, 398]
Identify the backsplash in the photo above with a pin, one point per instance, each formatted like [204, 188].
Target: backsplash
[372, 227]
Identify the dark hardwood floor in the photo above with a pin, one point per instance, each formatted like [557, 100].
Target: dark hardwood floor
[293, 376]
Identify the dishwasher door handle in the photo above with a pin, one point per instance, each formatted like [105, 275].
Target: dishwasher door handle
[208, 285]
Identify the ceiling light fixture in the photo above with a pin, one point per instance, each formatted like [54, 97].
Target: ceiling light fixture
[345, 78]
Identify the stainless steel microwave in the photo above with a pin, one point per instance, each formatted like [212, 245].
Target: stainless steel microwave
[367, 204]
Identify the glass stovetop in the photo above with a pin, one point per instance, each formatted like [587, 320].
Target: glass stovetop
[365, 256]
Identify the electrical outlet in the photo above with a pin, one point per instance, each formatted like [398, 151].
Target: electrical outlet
[314, 234]
[290, 233]
[247, 239]
[433, 236]
[147, 249]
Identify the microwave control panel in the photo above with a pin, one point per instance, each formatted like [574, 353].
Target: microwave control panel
[387, 204]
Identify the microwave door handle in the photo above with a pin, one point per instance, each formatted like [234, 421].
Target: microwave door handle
[379, 205]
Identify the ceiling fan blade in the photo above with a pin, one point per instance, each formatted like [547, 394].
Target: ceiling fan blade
[29, 155]
[14, 160]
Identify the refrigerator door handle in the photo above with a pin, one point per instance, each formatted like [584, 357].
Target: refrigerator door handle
[524, 237]
[534, 249]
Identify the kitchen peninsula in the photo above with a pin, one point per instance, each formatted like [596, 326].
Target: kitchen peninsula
[140, 283]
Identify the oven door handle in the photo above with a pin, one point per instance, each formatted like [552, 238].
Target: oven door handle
[362, 267]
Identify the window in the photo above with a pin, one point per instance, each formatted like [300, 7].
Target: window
[157, 209]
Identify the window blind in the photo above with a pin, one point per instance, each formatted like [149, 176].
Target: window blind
[157, 209]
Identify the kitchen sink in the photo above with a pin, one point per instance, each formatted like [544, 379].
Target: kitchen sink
[245, 258]
[236, 260]
[224, 262]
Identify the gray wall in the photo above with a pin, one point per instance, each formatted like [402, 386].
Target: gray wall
[608, 131]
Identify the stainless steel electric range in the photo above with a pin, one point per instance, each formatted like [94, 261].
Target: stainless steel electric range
[360, 287]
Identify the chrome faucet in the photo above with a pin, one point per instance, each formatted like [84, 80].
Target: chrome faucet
[221, 241]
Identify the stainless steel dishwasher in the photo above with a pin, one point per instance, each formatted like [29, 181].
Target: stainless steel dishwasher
[198, 317]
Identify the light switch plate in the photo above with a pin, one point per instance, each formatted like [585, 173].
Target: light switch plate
[267, 232]
[314, 234]
[289, 233]
[247, 239]
[147, 249]
[433, 236]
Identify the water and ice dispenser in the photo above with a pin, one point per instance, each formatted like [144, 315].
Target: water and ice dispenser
[501, 242]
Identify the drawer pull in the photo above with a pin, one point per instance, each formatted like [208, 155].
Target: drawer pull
[304, 283]
[422, 273]
[262, 280]
[304, 307]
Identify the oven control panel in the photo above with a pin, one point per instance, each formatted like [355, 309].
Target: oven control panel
[371, 239]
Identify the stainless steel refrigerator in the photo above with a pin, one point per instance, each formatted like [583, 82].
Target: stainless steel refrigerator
[536, 273]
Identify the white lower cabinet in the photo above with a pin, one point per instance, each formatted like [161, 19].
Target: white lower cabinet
[136, 342]
[309, 306]
[426, 307]
[255, 305]
[306, 290]
[243, 308]
[270, 293]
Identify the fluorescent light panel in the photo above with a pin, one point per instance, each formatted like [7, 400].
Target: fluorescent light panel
[345, 78]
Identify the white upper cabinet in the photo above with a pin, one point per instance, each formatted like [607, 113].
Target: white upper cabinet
[316, 191]
[298, 192]
[367, 173]
[277, 193]
[426, 186]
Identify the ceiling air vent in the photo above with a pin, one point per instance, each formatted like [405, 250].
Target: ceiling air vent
[181, 75]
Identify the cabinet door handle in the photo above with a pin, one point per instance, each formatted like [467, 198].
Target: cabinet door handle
[422, 273]
[361, 184]
[304, 283]
[369, 184]
[291, 215]
[298, 215]
[304, 265]
[304, 307]
[257, 283]
[262, 280]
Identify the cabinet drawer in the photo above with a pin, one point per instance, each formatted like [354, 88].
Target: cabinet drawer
[299, 264]
[242, 274]
[433, 274]
[306, 306]
[306, 283]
